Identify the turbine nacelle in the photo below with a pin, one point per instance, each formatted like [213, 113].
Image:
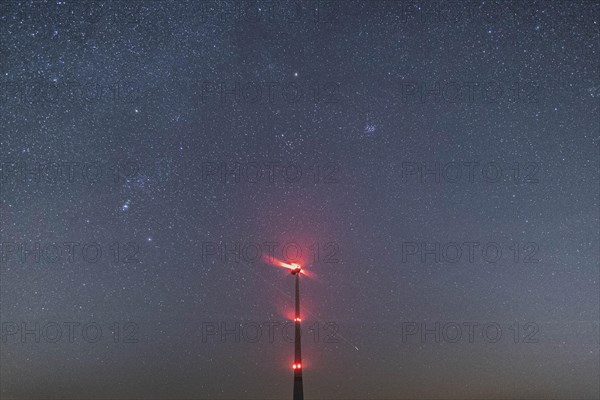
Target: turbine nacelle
[295, 268]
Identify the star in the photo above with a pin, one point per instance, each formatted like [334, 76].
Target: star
[125, 206]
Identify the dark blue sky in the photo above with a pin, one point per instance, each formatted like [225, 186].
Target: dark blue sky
[436, 163]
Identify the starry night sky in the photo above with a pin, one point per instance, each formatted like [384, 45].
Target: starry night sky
[123, 123]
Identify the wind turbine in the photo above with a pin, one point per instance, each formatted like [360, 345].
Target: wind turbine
[296, 269]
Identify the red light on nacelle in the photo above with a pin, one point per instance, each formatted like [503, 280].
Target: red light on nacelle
[295, 268]
[297, 319]
[296, 366]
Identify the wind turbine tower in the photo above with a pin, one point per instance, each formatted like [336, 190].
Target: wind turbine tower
[297, 366]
